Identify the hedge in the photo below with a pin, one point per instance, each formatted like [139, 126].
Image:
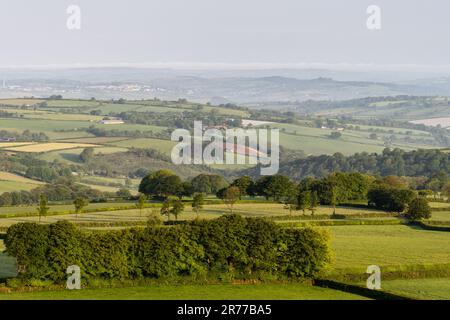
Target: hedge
[330, 223]
[230, 246]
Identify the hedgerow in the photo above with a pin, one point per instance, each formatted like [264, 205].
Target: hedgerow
[230, 246]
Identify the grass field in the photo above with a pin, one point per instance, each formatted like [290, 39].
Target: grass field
[195, 292]
[20, 102]
[13, 144]
[7, 176]
[436, 289]
[12, 182]
[57, 208]
[47, 147]
[164, 146]
[357, 247]
[209, 211]
[72, 155]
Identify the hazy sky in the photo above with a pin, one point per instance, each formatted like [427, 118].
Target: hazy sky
[225, 31]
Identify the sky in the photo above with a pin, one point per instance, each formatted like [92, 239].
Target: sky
[413, 34]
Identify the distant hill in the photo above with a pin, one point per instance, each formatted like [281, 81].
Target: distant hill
[247, 88]
[401, 107]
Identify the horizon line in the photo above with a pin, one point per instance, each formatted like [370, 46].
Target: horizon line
[343, 66]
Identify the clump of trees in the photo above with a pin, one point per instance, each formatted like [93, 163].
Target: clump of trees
[388, 198]
[230, 246]
[60, 190]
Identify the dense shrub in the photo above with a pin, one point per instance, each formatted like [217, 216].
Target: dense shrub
[389, 198]
[230, 245]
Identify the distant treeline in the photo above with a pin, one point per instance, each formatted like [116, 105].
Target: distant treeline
[397, 162]
[26, 135]
[60, 190]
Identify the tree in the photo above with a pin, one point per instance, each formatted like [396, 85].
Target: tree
[123, 193]
[314, 202]
[446, 191]
[291, 201]
[172, 205]
[177, 207]
[141, 203]
[87, 154]
[162, 184]
[187, 189]
[419, 209]
[42, 209]
[390, 199]
[335, 135]
[198, 202]
[229, 196]
[165, 209]
[245, 184]
[208, 183]
[79, 204]
[276, 187]
[333, 197]
[303, 200]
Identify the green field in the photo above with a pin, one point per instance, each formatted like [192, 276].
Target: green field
[357, 247]
[8, 186]
[72, 155]
[75, 114]
[164, 146]
[435, 289]
[194, 292]
[209, 211]
[56, 208]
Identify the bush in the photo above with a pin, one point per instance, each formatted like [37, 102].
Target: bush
[227, 247]
[389, 198]
[419, 209]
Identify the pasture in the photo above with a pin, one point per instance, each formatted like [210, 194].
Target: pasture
[47, 147]
[193, 292]
[357, 247]
[434, 288]
[12, 182]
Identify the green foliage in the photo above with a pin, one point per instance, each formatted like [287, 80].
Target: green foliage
[87, 154]
[79, 204]
[229, 196]
[197, 202]
[162, 183]
[124, 193]
[417, 163]
[390, 199]
[245, 184]
[335, 135]
[419, 209]
[228, 246]
[43, 208]
[303, 200]
[313, 202]
[275, 187]
[208, 183]
[141, 203]
[177, 207]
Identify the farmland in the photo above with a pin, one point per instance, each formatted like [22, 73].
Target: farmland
[12, 182]
[194, 292]
[48, 147]
[54, 119]
[395, 248]
[122, 154]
